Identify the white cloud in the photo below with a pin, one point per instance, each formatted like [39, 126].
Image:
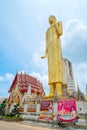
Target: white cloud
[37, 61]
[1, 78]
[74, 41]
[74, 28]
[83, 65]
[5, 82]
[8, 77]
[40, 19]
[80, 74]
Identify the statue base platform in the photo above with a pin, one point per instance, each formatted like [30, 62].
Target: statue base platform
[54, 97]
[47, 98]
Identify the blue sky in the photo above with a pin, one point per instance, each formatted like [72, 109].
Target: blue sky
[23, 24]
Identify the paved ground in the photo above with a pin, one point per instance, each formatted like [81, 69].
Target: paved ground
[21, 126]
[32, 126]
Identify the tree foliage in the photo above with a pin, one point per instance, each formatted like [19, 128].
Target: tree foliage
[3, 107]
[15, 111]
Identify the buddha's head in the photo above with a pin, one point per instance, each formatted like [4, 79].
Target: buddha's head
[52, 19]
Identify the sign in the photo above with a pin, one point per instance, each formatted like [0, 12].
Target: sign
[47, 110]
[67, 110]
[47, 105]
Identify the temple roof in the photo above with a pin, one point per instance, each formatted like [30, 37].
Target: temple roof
[25, 80]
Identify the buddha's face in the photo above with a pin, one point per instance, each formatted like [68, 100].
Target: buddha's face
[52, 19]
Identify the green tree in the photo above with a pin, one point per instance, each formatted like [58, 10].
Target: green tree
[15, 111]
[3, 107]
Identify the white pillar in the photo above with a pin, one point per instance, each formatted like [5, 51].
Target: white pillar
[55, 109]
[38, 108]
[81, 107]
[25, 108]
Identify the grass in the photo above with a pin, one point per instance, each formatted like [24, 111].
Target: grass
[9, 118]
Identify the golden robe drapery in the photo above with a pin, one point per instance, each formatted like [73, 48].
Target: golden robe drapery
[54, 54]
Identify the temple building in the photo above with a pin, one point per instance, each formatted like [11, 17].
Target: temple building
[86, 93]
[68, 77]
[22, 86]
[86, 90]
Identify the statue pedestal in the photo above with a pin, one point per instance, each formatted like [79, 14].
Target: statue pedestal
[47, 97]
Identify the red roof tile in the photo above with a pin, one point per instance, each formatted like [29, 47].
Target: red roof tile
[24, 80]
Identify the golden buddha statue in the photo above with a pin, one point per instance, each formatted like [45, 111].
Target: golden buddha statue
[54, 54]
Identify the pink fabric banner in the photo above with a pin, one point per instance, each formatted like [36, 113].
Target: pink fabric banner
[67, 110]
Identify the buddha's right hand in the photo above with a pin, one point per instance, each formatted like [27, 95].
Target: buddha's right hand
[42, 57]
